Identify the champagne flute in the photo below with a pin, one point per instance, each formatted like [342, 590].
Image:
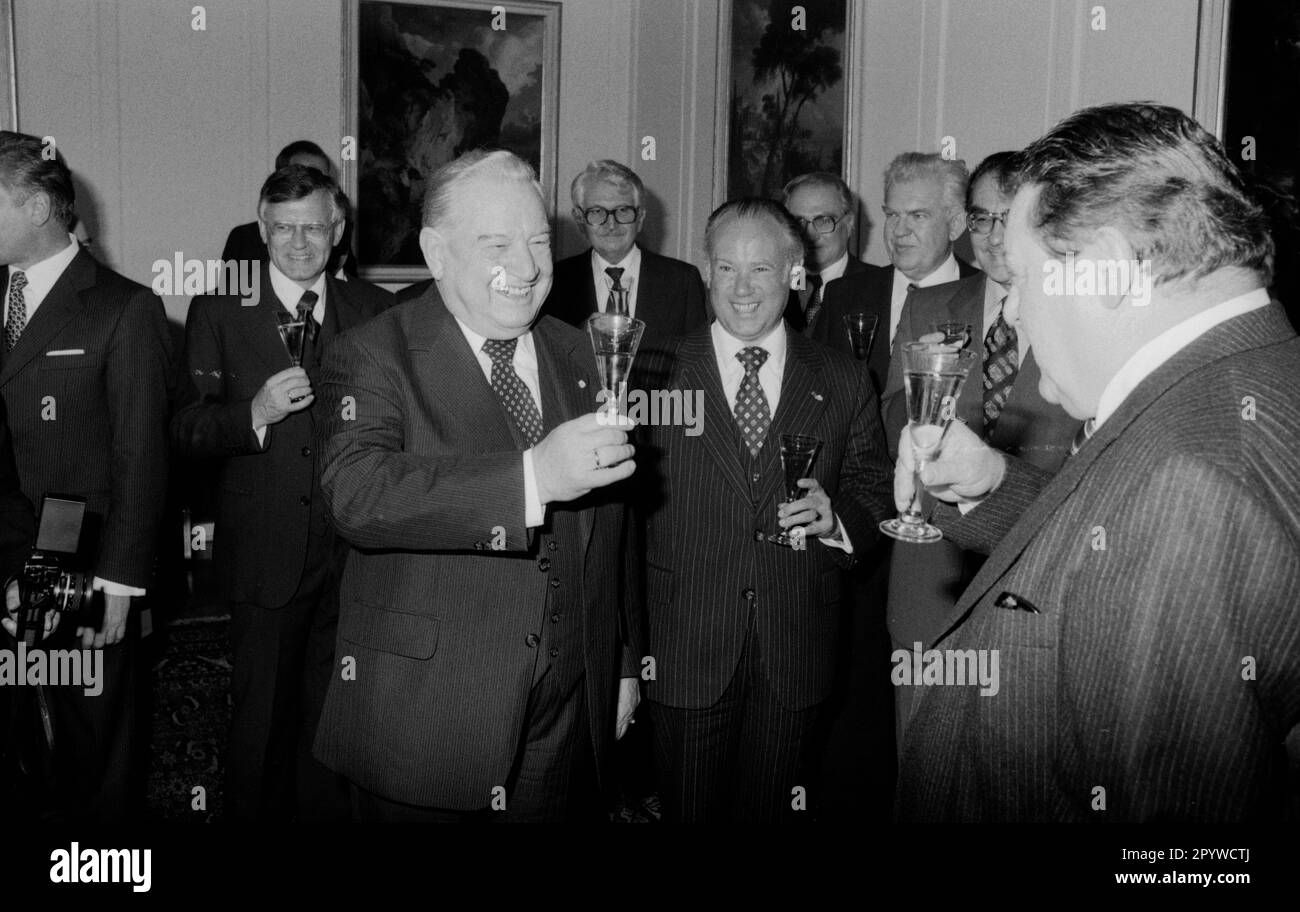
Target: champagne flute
[797, 454]
[862, 332]
[933, 376]
[292, 334]
[954, 332]
[614, 339]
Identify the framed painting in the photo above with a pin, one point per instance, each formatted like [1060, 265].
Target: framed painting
[425, 81]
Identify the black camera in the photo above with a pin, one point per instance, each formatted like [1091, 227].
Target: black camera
[53, 579]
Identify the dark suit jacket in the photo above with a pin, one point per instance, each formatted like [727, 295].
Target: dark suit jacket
[669, 296]
[17, 521]
[1131, 676]
[926, 580]
[413, 291]
[261, 531]
[706, 566]
[867, 292]
[421, 476]
[86, 389]
[245, 243]
[794, 314]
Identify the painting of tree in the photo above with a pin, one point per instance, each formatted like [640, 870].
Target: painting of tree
[787, 93]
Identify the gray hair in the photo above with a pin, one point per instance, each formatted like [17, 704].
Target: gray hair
[500, 165]
[820, 179]
[910, 166]
[610, 172]
[760, 210]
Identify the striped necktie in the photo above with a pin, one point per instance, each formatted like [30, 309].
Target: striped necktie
[617, 303]
[1001, 364]
[16, 312]
[1086, 430]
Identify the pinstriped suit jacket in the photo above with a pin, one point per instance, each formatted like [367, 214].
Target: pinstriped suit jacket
[703, 551]
[1164, 668]
[421, 476]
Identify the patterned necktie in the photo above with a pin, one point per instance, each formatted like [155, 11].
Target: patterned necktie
[1086, 430]
[617, 303]
[1001, 364]
[16, 313]
[753, 416]
[306, 304]
[814, 303]
[511, 390]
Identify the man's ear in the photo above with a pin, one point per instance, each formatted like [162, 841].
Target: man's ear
[956, 225]
[38, 208]
[433, 246]
[1113, 262]
[339, 226]
[797, 277]
[578, 218]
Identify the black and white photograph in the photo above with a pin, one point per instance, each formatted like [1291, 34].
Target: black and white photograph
[835, 421]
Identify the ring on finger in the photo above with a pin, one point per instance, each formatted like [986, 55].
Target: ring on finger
[595, 452]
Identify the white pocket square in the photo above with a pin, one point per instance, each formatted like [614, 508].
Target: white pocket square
[64, 352]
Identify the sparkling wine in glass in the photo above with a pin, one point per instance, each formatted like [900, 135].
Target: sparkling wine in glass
[954, 333]
[292, 335]
[933, 376]
[862, 332]
[614, 339]
[797, 454]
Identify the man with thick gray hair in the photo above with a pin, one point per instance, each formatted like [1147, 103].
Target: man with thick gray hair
[609, 208]
[1138, 608]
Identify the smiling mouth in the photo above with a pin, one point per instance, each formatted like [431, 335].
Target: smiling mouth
[745, 308]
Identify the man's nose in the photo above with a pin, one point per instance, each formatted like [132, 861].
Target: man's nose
[521, 263]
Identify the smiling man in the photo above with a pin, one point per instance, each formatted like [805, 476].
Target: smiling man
[1142, 600]
[246, 403]
[463, 458]
[742, 631]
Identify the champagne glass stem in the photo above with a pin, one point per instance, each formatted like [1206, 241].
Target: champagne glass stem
[913, 513]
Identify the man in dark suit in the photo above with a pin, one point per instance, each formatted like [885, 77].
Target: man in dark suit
[245, 244]
[85, 379]
[742, 631]
[277, 557]
[1000, 402]
[824, 207]
[667, 294]
[1141, 602]
[925, 212]
[463, 458]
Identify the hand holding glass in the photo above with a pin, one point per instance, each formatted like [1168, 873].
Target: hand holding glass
[933, 376]
[614, 338]
[954, 333]
[797, 455]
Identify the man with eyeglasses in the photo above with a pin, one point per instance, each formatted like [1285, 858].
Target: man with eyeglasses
[616, 273]
[923, 216]
[250, 402]
[1000, 402]
[823, 206]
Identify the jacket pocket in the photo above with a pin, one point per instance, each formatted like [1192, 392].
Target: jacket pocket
[397, 632]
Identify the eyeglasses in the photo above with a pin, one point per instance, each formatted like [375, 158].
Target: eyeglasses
[597, 215]
[822, 224]
[315, 231]
[981, 222]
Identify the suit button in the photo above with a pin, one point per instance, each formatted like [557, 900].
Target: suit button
[554, 652]
[306, 451]
[747, 594]
[756, 477]
[759, 535]
[305, 500]
[544, 564]
[555, 619]
[531, 641]
[555, 584]
[551, 546]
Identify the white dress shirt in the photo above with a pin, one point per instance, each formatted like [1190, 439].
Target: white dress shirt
[948, 271]
[525, 364]
[40, 279]
[1147, 359]
[631, 265]
[732, 370]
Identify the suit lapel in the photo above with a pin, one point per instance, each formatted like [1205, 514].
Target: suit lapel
[568, 384]
[588, 281]
[337, 297]
[699, 370]
[259, 323]
[802, 402]
[61, 304]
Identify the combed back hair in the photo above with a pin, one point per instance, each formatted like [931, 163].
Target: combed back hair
[295, 182]
[500, 165]
[1151, 172]
[25, 170]
[951, 172]
[298, 147]
[1000, 166]
[758, 209]
[609, 171]
[820, 179]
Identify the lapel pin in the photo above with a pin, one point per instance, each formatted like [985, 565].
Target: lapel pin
[817, 396]
[582, 384]
[1013, 602]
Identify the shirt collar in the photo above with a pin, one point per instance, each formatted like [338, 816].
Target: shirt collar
[1151, 356]
[835, 270]
[947, 271]
[727, 346]
[290, 292]
[42, 276]
[631, 263]
[524, 349]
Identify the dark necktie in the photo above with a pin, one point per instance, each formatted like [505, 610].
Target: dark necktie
[813, 305]
[753, 416]
[16, 312]
[617, 303]
[1001, 364]
[1086, 430]
[306, 304]
[512, 391]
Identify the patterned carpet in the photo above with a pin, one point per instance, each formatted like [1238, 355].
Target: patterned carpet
[191, 718]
